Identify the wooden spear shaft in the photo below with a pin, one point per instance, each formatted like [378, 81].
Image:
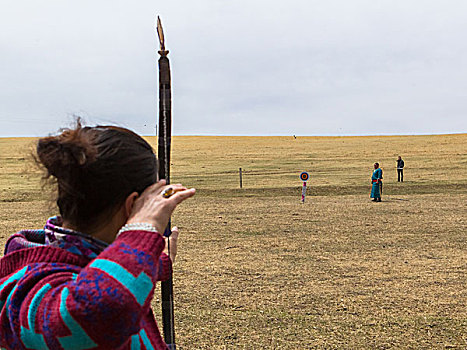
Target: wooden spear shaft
[164, 143]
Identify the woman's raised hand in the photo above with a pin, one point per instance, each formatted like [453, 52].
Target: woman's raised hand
[151, 207]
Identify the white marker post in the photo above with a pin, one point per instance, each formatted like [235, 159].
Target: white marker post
[304, 177]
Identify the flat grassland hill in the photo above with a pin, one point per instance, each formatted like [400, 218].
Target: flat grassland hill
[259, 270]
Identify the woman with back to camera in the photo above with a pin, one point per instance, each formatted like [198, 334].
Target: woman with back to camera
[87, 279]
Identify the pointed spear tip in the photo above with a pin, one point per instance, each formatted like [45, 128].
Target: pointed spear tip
[160, 33]
[158, 22]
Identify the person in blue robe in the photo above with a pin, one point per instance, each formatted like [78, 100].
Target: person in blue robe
[376, 182]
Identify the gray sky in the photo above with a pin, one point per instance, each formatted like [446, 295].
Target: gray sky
[241, 67]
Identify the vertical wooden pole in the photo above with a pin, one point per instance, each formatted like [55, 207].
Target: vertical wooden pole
[240, 172]
[303, 191]
[163, 153]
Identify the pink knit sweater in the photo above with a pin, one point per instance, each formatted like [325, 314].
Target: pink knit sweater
[51, 298]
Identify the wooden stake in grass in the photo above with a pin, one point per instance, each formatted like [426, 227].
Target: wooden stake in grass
[304, 177]
[240, 173]
[303, 191]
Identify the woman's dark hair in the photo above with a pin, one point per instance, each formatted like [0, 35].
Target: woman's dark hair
[96, 168]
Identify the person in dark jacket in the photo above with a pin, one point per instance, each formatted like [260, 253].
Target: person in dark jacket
[400, 169]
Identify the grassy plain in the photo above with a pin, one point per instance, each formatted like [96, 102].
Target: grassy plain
[259, 270]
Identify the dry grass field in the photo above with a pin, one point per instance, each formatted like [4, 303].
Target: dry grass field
[259, 270]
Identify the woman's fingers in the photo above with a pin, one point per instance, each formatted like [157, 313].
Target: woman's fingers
[170, 190]
[173, 241]
[175, 233]
[181, 195]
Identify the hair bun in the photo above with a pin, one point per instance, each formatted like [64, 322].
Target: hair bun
[67, 152]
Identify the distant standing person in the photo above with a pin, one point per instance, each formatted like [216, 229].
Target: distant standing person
[376, 182]
[400, 169]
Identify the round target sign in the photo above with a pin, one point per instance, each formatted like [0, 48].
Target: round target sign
[304, 176]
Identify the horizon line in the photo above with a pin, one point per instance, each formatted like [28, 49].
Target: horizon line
[277, 135]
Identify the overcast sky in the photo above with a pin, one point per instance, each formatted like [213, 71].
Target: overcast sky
[243, 67]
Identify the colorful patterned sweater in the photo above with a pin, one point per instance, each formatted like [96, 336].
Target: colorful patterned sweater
[69, 297]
